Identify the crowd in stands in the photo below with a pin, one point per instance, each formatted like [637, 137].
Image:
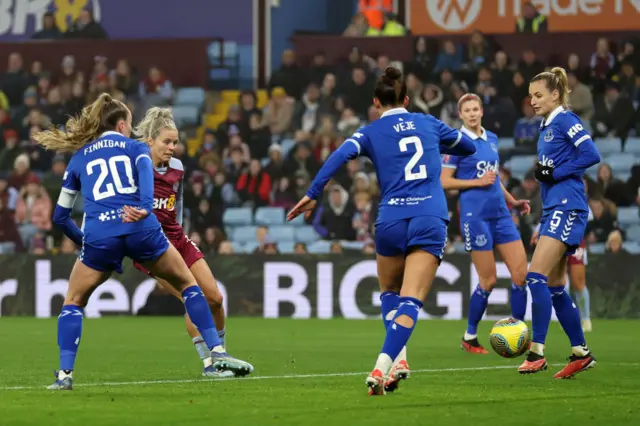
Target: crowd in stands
[266, 156]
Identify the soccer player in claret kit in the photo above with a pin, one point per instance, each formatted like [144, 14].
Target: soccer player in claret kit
[411, 229]
[485, 220]
[115, 174]
[565, 152]
[159, 131]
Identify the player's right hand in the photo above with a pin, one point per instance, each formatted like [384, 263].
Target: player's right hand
[534, 238]
[133, 214]
[306, 205]
[487, 179]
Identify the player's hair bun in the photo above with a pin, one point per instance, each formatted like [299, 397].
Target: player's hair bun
[392, 73]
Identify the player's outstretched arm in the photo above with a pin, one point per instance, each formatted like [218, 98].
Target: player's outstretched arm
[453, 142]
[62, 217]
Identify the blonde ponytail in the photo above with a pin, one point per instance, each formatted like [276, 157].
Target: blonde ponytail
[556, 79]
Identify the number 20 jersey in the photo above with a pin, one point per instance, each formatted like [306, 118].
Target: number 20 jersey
[405, 151]
[105, 172]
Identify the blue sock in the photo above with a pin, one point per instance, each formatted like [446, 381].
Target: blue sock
[200, 314]
[221, 334]
[397, 335]
[568, 315]
[583, 300]
[477, 306]
[389, 301]
[518, 301]
[69, 333]
[540, 305]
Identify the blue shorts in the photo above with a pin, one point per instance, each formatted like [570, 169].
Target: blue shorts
[567, 226]
[107, 254]
[484, 235]
[428, 233]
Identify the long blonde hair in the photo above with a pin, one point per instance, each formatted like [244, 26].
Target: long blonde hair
[101, 116]
[153, 122]
[556, 79]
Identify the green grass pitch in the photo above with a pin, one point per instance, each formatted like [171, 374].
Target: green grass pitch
[144, 371]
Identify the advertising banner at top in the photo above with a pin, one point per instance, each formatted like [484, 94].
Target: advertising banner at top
[134, 19]
[438, 17]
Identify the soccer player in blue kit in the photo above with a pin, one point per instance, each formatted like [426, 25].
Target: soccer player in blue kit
[485, 220]
[565, 152]
[411, 228]
[114, 173]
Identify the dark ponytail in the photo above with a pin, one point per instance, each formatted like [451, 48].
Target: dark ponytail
[390, 88]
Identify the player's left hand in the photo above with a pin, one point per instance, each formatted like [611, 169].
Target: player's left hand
[133, 214]
[544, 174]
[523, 206]
[306, 205]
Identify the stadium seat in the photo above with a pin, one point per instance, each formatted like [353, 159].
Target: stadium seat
[632, 146]
[306, 234]
[628, 216]
[458, 246]
[244, 234]
[237, 216]
[237, 247]
[186, 115]
[269, 216]
[286, 247]
[287, 145]
[597, 248]
[632, 247]
[298, 221]
[521, 164]
[281, 233]
[633, 233]
[193, 96]
[320, 247]
[250, 247]
[506, 143]
[620, 163]
[353, 245]
[609, 146]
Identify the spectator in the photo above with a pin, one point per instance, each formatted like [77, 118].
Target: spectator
[86, 27]
[327, 95]
[156, 89]
[580, 98]
[519, 91]
[374, 11]
[614, 114]
[614, 243]
[602, 61]
[225, 248]
[333, 220]
[499, 115]
[358, 26]
[336, 248]
[530, 190]
[8, 195]
[626, 78]
[278, 114]
[478, 51]
[10, 241]
[390, 27]
[611, 188]
[583, 74]
[75, 103]
[236, 166]
[290, 78]
[275, 166]
[248, 107]
[301, 159]
[529, 66]
[319, 68]
[363, 219]
[260, 137]
[11, 150]
[430, 101]
[423, 62]
[324, 146]
[233, 125]
[300, 248]
[54, 109]
[204, 216]
[502, 76]
[283, 194]
[358, 91]
[235, 141]
[254, 186]
[213, 237]
[14, 81]
[223, 193]
[531, 21]
[449, 58]
[21, 173]
[33, 211]
[604, 221]
[69, 76]
[347, 125]
[484, 79]
[50, 30]
[123, 79]
[527, 130]
[305, 116]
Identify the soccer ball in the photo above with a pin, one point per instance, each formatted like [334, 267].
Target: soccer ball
[510, 337]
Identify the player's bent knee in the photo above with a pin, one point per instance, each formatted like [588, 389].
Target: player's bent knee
[488, 283]
[214, 299]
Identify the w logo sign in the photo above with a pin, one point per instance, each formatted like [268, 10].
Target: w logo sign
[453, 15]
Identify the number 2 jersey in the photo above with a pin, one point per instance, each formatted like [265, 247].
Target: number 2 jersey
[105, 172]
[405, 151]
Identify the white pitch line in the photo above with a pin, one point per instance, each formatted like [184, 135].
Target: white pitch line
[294, 376]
